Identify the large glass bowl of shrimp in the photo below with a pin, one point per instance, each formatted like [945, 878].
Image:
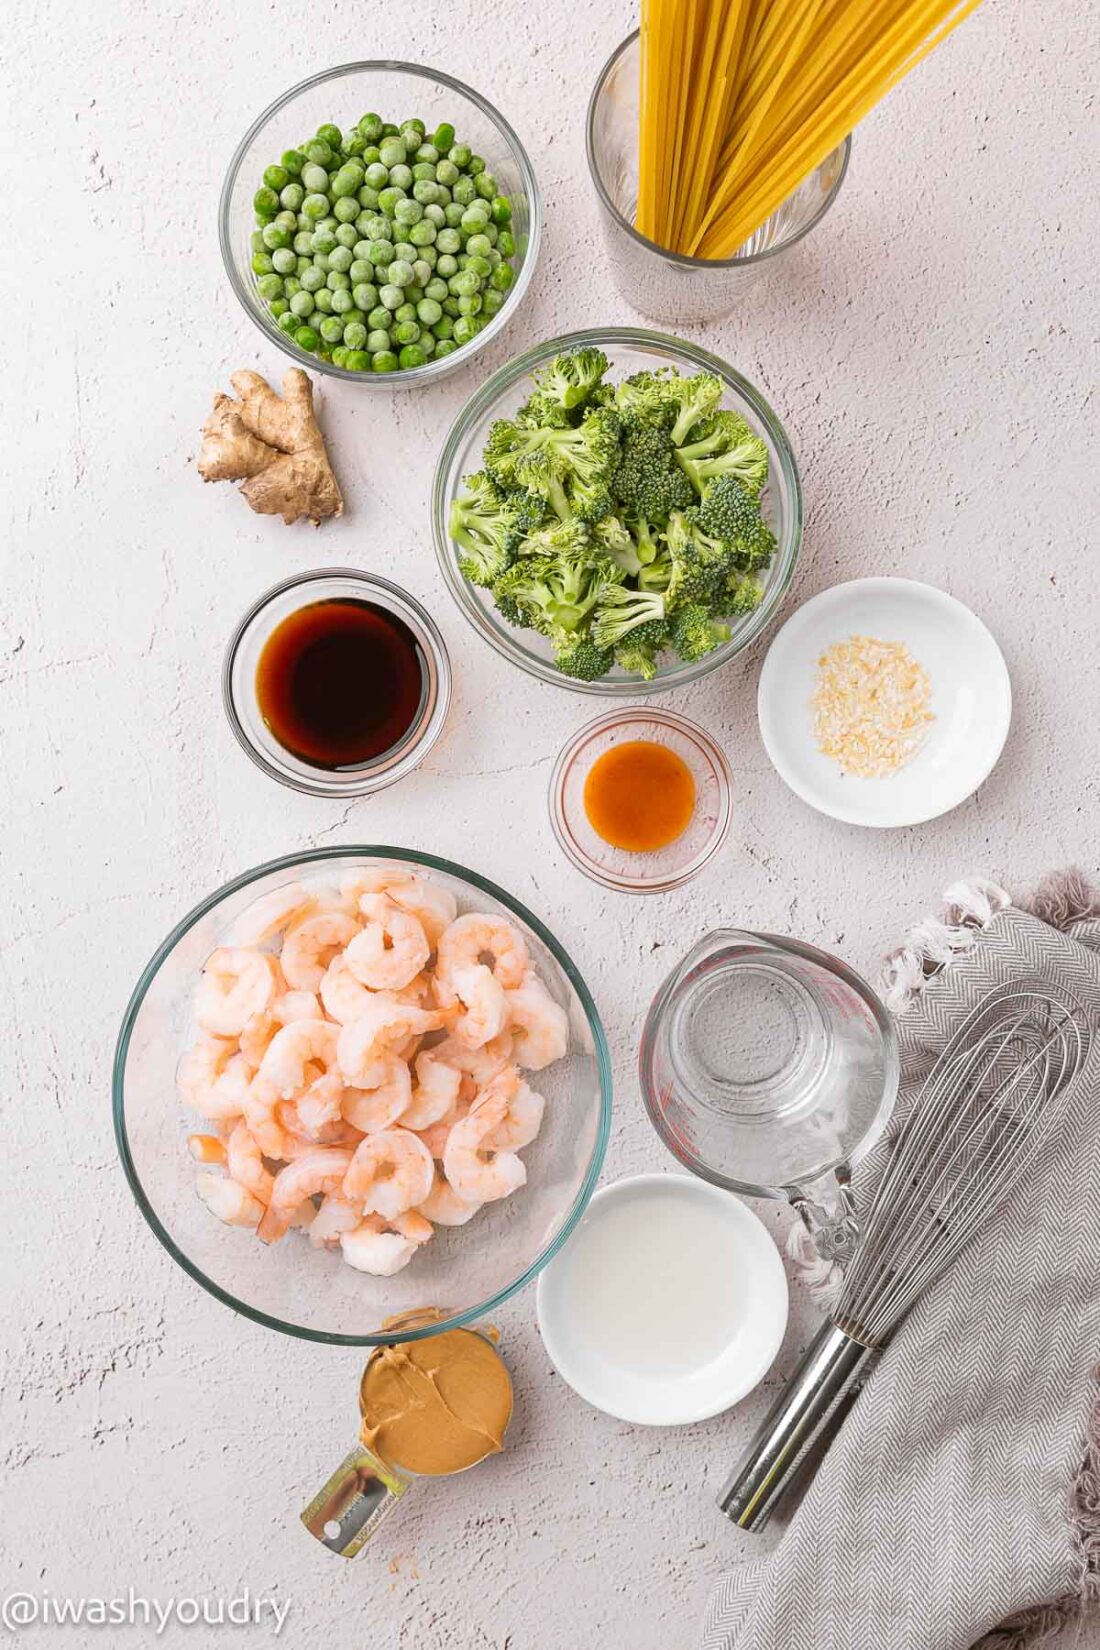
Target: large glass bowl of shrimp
[358, 1085]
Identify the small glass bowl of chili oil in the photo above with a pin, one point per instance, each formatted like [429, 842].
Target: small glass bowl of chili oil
[640, 800]
[336, 683]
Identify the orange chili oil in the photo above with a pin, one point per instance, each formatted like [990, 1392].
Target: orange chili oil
[639, 796]
[340, 683]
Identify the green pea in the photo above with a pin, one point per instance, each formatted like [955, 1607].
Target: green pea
[274, 238]
[346, 235]
[315, 206]
[368, 198]
[292, 162]
[306, 338]
[486, 186]
[285, 261]
[323, 300]
[446, 266]
[302, 303]
[479, 266]
[339, 356]
[346, 182]
[404, 250]
[389, 129]
[411, 356]
[428, 311]
[384, 361]
[399, 273]
[288, 321]
[478, 246]
[389, 198]
[470, 305]
[360, 269]
[447, 173]
[312, 277]
[343, 301]
[379, 319]
[426, 155]
[392, 151]
[340, 258]
[443, 137]
[475, 165]
[355, 334]
[501, 209]
[422, 272]
[318, 152]
[506, 243]
[493, 259]
[291, 285]
[401, 177]
[329, 134]
[322, 240]
[475, 218]
[315, 179]
[452, 212]
[354, 143]
[450, 306]
[379, 229]
[337, 281]
[464, 283]
[435, 215]
[265, 202]
[404, 312]
[390, 296]
[436, 290]
[378, 338]
[377, 176]
[262, 264]
[269, 287]
[285, 220]
[448, 240]
[445, 346]
[423, 233]
[426, 192]
[424, 172]
[371, 127]
[331, 329]
[444, 327]
[276, 177]
[460, 154]
[408, 212]
[346, 209]
[465, 191]
[381, 254]
[302, 263]
[365, 294]
[371, 155]
[502, 277]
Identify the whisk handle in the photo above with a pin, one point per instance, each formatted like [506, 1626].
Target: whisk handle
[830, 1375]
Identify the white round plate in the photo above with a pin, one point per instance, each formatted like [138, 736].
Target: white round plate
[971, 701]
[725, 1321]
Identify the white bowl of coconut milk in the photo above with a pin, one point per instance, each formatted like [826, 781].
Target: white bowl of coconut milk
[667, 1305]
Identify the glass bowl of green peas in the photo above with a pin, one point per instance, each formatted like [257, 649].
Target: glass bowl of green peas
[383, 247]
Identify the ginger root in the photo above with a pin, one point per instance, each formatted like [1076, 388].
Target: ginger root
[274, 445]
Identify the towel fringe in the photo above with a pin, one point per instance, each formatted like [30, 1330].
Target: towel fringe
[934, 944]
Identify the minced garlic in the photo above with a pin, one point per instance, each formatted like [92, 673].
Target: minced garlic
[870, 706]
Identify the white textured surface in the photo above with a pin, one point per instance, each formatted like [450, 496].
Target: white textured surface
[932, 352]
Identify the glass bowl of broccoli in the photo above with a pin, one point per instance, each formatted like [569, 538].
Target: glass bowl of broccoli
[617, 512]
[382, 247]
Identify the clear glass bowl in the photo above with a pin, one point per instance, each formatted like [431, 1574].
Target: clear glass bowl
[630, 350]
[395, 91]
[678, 861]
[239, 683]
[668, 286]
[291, 1286]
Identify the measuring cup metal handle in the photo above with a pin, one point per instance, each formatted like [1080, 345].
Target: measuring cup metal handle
[828, 1211]
[349, 1507]
[809, 1407]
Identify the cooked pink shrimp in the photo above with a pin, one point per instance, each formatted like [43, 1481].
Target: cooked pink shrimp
[418, 992]
[299, 1053]
[343, 997]
[384, 1247]
[444, 1207]
[261, 1113]
[230, 1202]
[298, 1139]
[434, 906]
[382, 1103]
[475, 1169]
[523, 1114]
[310, 946]
[256, 1034]
[213, 1078]
[271, 913]
[335, 1216]
[436, 1135]
[246, 1164]
[539, 1025]
[437, 1086]
[472, 939]
[383, 1026]
[322, 1170]
[483, 1004]
[390, 1173]
[321, 1103]
[390, 949]
[482, 1064]
[235, 984]
[206, 1148]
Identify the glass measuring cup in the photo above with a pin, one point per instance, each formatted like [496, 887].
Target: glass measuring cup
[369, 1482]
[769, 1067]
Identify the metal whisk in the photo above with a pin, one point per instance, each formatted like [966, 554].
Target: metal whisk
[990, 1104]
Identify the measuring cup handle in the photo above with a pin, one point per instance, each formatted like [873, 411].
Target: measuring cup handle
[829, 1213]
[350, 1505]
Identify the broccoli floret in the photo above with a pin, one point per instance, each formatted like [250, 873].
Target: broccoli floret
[729, 512]
[700, 564]
[615, 540]
[645, 539]
[698, 398]
[725, 446]
[556, 595]
[640, 658]
[543, 459]
[622, 611]
[483, 523]
[570, 380]
[647, 480]
[741, 594]
[657, 575]
[583, 660]
[556, 538]
[649, 395]
[693, 632]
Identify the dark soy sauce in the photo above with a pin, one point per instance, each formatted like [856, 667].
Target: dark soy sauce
[340, 683]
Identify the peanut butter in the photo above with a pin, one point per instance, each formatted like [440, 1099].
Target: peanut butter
[436, 1406]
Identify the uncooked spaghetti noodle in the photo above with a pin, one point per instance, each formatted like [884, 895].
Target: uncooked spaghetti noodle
[742, 99]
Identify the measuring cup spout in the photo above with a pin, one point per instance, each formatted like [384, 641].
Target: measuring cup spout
[828, 1211]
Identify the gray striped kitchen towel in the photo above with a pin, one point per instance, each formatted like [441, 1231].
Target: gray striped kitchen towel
[960, 1502]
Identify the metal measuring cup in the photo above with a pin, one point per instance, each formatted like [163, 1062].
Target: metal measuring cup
[769, 1067]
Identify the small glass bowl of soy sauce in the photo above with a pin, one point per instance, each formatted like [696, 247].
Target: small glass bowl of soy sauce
[336, 683]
